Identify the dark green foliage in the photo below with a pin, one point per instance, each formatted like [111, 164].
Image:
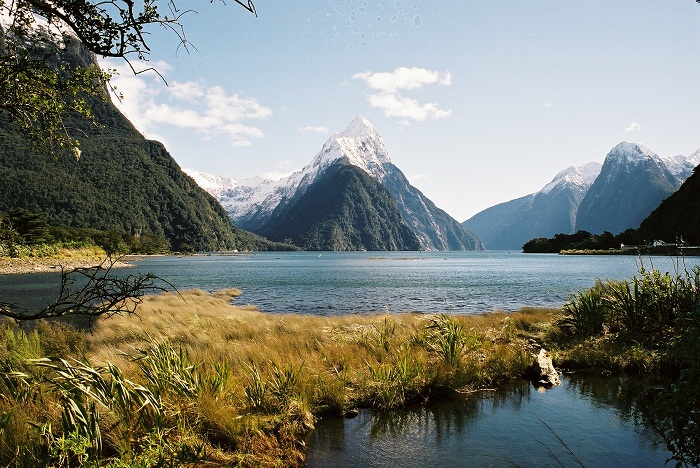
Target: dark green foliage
[344, 210]
[651, 303]
[657, 314]
[584, 313]
[674, 410]
[678, 216]
[22, 226]
[582, 240]
[121, 182]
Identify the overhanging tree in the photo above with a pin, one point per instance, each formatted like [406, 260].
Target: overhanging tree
[38, 88]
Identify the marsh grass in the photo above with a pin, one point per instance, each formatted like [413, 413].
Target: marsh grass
[195, 377]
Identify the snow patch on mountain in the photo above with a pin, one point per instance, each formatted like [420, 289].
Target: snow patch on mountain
[213, 184]
[360, 143]
[631, 153]
[682, 166]
[581, 177]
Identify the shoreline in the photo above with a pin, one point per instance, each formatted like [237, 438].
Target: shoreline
[21, 266]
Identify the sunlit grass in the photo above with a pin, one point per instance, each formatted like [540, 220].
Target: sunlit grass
[195, 377]
[204, 379]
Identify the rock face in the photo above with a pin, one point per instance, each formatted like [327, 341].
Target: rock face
[542, 371]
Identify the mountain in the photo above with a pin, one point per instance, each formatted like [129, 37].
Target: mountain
[256, 204]
[344, 209]
[613, 197]
[677, 217]
[121, 182]
[632, 183]
[552, 210]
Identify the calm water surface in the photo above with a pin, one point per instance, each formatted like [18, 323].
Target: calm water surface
[505, 428]
[593, 417]
[361, 282]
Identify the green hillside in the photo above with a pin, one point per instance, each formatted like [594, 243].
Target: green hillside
[345, 209]
[121, 182]
[677, 216]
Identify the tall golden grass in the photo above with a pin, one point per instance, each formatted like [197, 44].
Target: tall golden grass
[223, 382]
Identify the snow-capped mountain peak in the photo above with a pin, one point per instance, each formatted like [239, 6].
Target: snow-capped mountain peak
[581, 177]
[359, 128]
[360, 143]
[682, 166]
[631, 153]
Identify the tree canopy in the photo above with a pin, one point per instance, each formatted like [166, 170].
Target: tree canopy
[39, 88]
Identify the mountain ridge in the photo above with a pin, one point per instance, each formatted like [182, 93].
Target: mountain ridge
[634, 182]
[121, 182]
[251, 203]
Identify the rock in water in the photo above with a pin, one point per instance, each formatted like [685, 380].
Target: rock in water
[543, 373]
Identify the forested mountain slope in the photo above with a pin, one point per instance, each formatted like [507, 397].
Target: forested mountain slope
[121, 181]
[678, 217]
[345, 209]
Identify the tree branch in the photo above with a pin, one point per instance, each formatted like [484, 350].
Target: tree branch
[102, 294]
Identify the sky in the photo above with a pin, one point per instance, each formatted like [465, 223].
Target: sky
[478, 102]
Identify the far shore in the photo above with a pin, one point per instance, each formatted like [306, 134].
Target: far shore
[17, 266]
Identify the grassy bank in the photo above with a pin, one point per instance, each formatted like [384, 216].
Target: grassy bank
[195, 379]
[51, 258]
[198, 378]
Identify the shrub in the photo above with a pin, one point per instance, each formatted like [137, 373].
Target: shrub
[585, 313]
[446, 338]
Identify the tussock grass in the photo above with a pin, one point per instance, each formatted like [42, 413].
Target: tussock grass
[204, 379]
[196, 378]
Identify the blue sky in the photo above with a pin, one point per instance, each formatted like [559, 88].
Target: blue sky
[478, 102]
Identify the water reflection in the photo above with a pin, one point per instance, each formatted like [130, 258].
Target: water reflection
[518, 426]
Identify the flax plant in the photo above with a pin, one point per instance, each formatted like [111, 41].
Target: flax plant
[584, 312]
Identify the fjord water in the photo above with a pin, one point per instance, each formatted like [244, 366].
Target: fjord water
[587, 421]
[428, 282]
[503, 428]
[363, 282]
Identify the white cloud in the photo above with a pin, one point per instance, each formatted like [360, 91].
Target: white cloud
[313, 130]
[632, 127]
[546, 105]
[404, 78]
[388, 88]
[206, 110]
[395, 105]
[188, 91]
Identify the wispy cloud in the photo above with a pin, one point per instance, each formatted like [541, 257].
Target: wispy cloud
[546, 105]
[388, 88]
[283, 169]
[417, 177]
[207, 110]
[313, 130]
[632, 127]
